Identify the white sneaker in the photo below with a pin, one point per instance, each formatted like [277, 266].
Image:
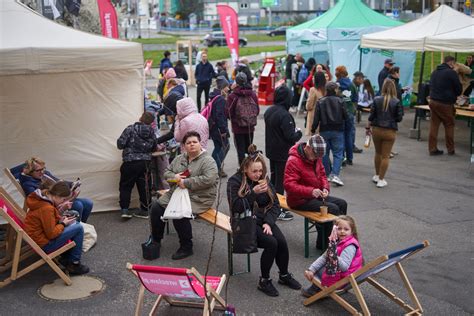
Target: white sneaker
[293, 109]
[330, 177]
[381, 183]
[337, 181]
[375, 179]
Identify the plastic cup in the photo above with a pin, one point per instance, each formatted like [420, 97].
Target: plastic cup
[323, 210]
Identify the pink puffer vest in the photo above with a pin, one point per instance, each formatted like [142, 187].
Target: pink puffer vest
[356, 264]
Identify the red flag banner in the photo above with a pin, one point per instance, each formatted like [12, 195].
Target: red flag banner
[230, 26]
[108, 19]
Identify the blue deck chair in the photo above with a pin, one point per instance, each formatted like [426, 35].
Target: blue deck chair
[367, 274]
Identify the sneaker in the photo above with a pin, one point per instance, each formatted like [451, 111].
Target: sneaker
[126, 213]
[310, 290]
[266, 286]
[337, 181]
[436, 152]
[381, 183]
[330, 177]
[285, 216]
[222, 174]
[77, 268]
[293, 109]
[141, 214]
[349, 162]
[357, 150]
[182, 253]
[289, 281]
[375, 179]
[344, 162]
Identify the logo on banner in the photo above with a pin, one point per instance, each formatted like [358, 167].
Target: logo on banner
[349, 33]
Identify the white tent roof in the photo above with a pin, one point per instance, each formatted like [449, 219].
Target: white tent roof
[412, 36]
[461, 40]
[30, 43]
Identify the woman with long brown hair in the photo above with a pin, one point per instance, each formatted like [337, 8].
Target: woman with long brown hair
[249, 192]
[385, 114]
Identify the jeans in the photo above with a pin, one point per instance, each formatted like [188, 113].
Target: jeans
[183, 227]
[221, 148]
[84, 207]
[336, 206]
[349, 136]
[335, 143]
[242, 143]
[74, 232]
[275, 249]
[131, 173]
[199, 91]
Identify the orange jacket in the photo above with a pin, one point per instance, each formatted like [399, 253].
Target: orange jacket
[42, 219]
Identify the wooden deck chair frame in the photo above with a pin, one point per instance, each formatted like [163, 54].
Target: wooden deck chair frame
[26, 251]
[16, 184]
[355, 279]
[45, 258]
[216, 301]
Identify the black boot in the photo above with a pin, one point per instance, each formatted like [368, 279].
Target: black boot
[266, 286]
[182, 253]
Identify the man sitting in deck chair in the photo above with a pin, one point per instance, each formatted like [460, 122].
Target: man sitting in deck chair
[36, 176]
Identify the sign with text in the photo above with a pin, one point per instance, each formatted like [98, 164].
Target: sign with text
[230, 26]
[108, 19]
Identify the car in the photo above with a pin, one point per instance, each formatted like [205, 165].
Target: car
[278, 31]
[218, 39]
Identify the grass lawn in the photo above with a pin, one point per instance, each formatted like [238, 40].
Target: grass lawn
[216, 53]
[461, 57]
[163, 40]
[264, 38]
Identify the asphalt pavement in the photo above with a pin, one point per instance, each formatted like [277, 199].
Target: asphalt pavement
[427, 198]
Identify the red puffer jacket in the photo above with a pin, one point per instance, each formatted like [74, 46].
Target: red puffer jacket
[302, 176]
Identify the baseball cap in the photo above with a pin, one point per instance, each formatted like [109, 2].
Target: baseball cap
[389, 61]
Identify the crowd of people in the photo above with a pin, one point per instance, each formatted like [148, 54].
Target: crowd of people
[303, 170]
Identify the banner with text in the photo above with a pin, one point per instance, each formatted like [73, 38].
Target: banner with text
[230, 26]
[108, 19]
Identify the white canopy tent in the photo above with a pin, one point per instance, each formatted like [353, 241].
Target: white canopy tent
[66, 96]
[414, 36]
[461, 40]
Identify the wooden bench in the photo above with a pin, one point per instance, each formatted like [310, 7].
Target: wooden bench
[311, 219]
[221, 221]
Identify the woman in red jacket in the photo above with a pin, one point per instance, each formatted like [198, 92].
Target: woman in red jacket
[306, 185]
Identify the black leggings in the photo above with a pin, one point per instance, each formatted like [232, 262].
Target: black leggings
[183, 227]
[242, 143]
[275, 249]
[336, 206]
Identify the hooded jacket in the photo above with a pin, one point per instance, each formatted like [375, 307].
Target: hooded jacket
[173, 96]
[202, 182]
[280, 127]
[238, 205]
[386, 119]
[137, 141]
[239, 92]
[302, 176]
[42, 219]
[445, 86]
[217, 120]
[330, 114]
[188, 119]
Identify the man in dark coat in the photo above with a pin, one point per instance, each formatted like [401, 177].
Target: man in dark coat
[445, 87]
[383, 74]
[204, 74]
[280, 134]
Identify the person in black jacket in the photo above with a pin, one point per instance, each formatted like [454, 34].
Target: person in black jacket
[180, 70]
[280, 134]
[385, 113]
[445, 87]
[137, 141]
[218, 128]
[383, 74]
[330, 117]
[249, 193]
[204, 73]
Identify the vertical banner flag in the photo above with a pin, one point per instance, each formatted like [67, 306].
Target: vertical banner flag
[230, 27]
[108, 19]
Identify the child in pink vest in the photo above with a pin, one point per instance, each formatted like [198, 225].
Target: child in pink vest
[346, 260]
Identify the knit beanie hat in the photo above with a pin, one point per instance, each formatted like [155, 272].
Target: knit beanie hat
[241, 79]
[318, 144]
[170, 74]
[221, 82]
[147, 118]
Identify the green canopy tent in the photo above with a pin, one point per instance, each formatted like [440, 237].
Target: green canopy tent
[334, 38]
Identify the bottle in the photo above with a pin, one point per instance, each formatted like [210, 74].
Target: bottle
[367, 141]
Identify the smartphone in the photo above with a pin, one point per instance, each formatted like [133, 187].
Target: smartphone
[186, 173]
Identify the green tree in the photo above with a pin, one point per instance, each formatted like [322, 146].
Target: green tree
[186, 7]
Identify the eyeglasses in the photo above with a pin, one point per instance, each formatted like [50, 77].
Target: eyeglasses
[39, 170]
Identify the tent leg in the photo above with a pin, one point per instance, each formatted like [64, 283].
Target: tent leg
[360, 58]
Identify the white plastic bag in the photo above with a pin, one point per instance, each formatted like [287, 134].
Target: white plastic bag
[179, 205]
[90, 237]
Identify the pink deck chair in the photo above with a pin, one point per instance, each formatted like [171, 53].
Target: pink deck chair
[179, 287]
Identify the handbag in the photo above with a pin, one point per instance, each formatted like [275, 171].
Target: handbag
[244, 231]
[179, 205]
[90, 237]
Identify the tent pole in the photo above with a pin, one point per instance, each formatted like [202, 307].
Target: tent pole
[360, 58]
[420, 82]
